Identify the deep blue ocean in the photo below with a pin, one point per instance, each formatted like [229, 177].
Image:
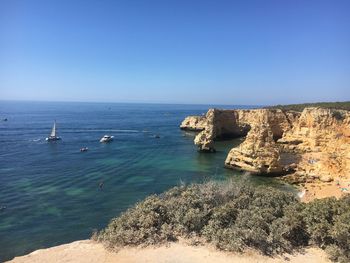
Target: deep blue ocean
[49, 192]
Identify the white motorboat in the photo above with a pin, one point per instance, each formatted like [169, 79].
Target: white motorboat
[53, 136]
[107, 138]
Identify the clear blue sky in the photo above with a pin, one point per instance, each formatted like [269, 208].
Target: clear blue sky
[224, 52]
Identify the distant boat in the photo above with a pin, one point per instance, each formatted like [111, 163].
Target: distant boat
[107, 138]
[53, 136]
[84, 149]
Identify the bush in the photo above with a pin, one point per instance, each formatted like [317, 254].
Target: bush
[145, 224]
[263, 221]
[235, 217]
[319, 216]
[345, 105]
[339, 232]
[338, 115]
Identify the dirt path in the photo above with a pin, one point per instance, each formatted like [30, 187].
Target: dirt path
[87, 251]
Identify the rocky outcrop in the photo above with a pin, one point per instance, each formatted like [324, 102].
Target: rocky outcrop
[194, 123]
[313, 145]
[257, 154]
[221, 124]
[322, 138]
[279, 121]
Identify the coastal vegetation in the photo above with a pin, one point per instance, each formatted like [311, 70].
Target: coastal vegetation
[345, 105]
[234, 217]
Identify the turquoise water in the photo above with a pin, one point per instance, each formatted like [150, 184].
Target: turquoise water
[50, 192]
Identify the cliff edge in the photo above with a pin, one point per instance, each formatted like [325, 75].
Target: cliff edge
[311, 145]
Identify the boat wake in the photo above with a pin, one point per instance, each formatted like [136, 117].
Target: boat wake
[100, 130]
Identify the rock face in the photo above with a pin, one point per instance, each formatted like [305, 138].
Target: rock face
[313, 145]
[258, 154]
[278, 120]
[193, 123]
[322, 138]
[222, 124]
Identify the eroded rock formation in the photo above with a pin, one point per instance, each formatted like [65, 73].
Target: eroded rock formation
[257, 154]
[313, 145]
[220, 124]
[322, 138]
[193, 123]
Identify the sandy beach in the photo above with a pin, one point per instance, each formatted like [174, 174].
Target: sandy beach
[87, 251]
[337, 188]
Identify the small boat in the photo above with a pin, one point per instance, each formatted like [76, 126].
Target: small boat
[107, 138]
[53, 136]
[84, 149]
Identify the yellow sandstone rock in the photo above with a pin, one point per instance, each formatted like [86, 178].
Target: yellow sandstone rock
[313, 145]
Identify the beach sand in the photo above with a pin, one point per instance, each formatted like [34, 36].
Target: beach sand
[87, 251]
[338, 188]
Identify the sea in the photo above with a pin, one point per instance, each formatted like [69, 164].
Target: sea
[51, 193]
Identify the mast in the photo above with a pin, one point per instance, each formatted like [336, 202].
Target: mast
[53, 131]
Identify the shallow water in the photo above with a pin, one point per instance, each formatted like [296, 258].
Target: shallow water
[51, 191]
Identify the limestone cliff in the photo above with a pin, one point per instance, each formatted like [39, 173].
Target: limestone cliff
[322, 138]
[193, 123]
[236, 123]
[312, 145]
[220, 124]
[257, 154]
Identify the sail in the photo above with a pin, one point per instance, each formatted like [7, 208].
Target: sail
[53, 131]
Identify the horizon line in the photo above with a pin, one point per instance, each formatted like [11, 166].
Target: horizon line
[119, 102]
[171, 103]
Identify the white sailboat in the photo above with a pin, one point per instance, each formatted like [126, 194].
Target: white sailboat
[53, 136]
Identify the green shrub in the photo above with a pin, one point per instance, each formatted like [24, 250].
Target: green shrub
[340, 232]
[345, 105]
[235, 217]
[261, 221]
[338, 115]
[318, 216]
[145, 224]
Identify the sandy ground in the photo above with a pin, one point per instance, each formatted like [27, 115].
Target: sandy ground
[87, 251]
[311, 191]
